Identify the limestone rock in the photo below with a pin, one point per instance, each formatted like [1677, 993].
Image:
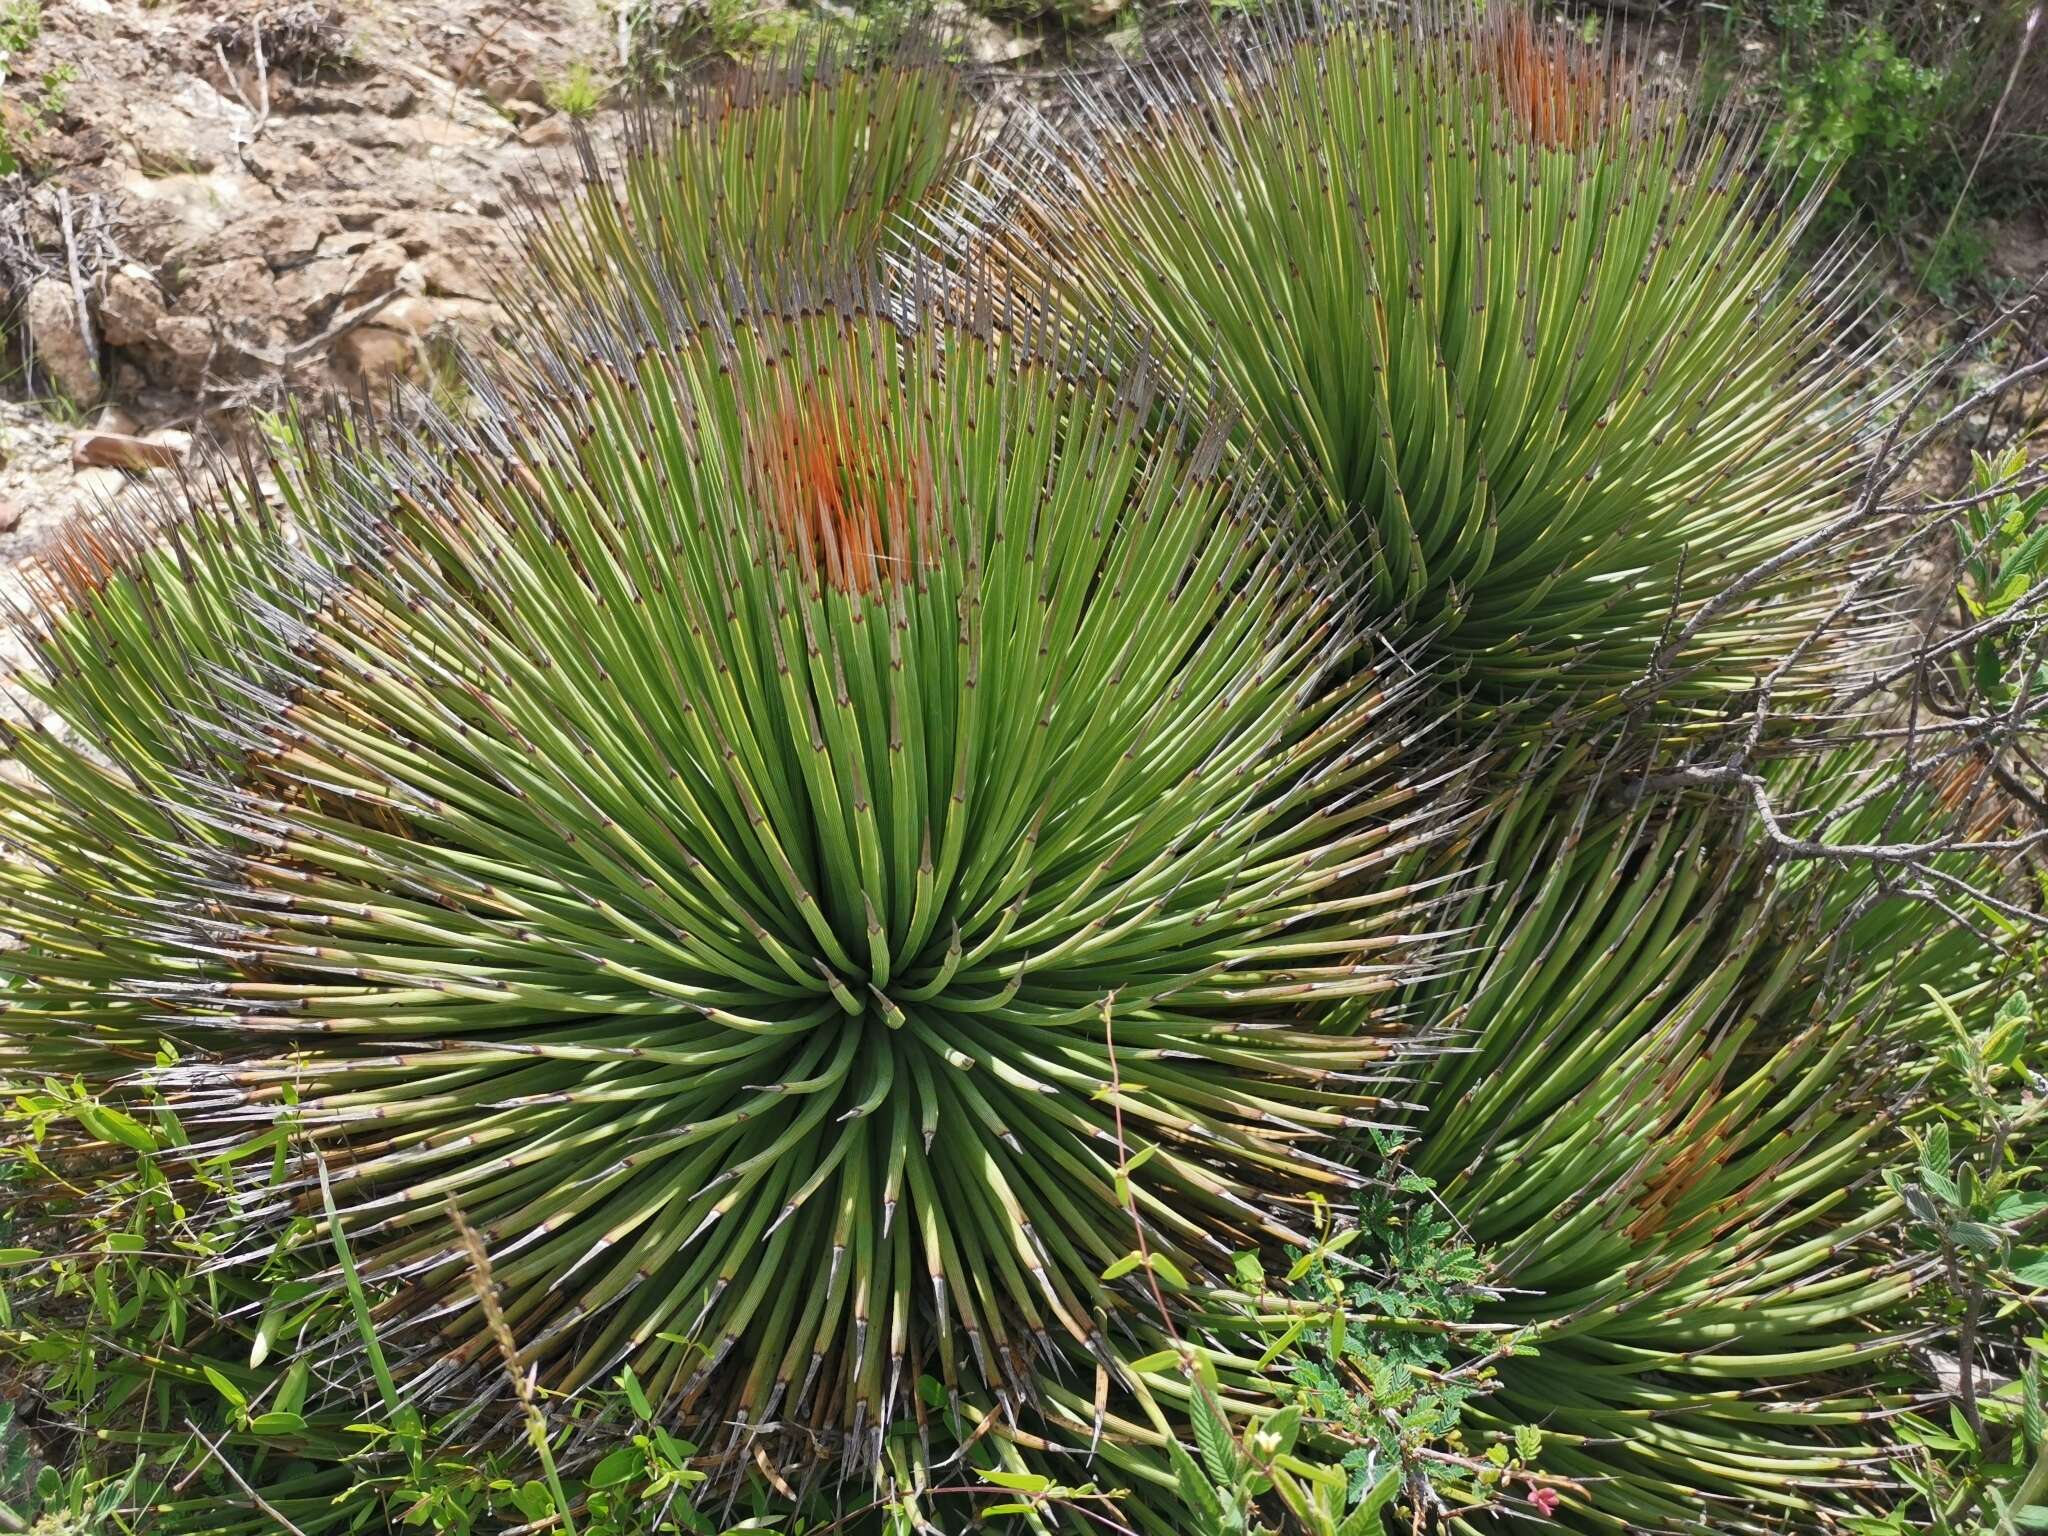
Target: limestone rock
[414, 315]
[457, 277]
[188, 342]
[131, 307]
[114, 418]
[279, 237]
[372, 358]
[558, 129]
[50, 316]
[96, 485]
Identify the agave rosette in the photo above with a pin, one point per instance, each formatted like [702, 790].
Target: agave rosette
[813, 154]
[819, 817]
[1524, 326]
[1679, 1071]
[817, 154]
[778, 774]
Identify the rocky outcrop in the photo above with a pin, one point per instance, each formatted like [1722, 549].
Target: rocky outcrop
[283, 196]
[271, 174]
[293, 196]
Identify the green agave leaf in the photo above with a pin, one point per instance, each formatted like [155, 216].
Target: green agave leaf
[134, 619]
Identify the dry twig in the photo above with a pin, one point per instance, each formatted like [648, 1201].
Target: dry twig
[1938, 736]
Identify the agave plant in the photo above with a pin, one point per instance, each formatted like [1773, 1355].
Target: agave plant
[133, 618]
[810, 156]
[817, 154]
[800, 792]
[1683, 1071]
[1522, 324]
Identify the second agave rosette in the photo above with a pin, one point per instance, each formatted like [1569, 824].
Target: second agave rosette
[1525, 326]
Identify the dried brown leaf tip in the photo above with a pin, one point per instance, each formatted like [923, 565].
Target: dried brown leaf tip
[1558, 87]
[80, 560]
[850, 501]
[1967, 781]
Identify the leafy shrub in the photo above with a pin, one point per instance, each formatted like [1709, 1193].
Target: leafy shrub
[1923, 119]
[1865, 107]
[21, 23]
[1381, 1364]
[1975, 1198]
[1388, 1374]
[2004, 538]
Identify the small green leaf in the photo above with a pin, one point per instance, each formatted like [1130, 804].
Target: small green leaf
[1961, 1428]
[266, 1333]
[1934, 1153]
[1194, 1489]
[1365, 1519]
[1977, 1237]
[1921, 1204]
[616, 1468]
[2028, 556]
[111, 1125]
[534, 1500]
[1169, 1272]
[636, 1396]
[1017, 1482]
[1285, 1342]
[1214, 1440]
[291, 1394]
[1989, 669]
[1123, 1266]
[227, 1389]
[2030, 1267]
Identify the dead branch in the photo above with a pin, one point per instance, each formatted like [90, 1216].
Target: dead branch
[83, 305]
[302, 351]
[1957, 760]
